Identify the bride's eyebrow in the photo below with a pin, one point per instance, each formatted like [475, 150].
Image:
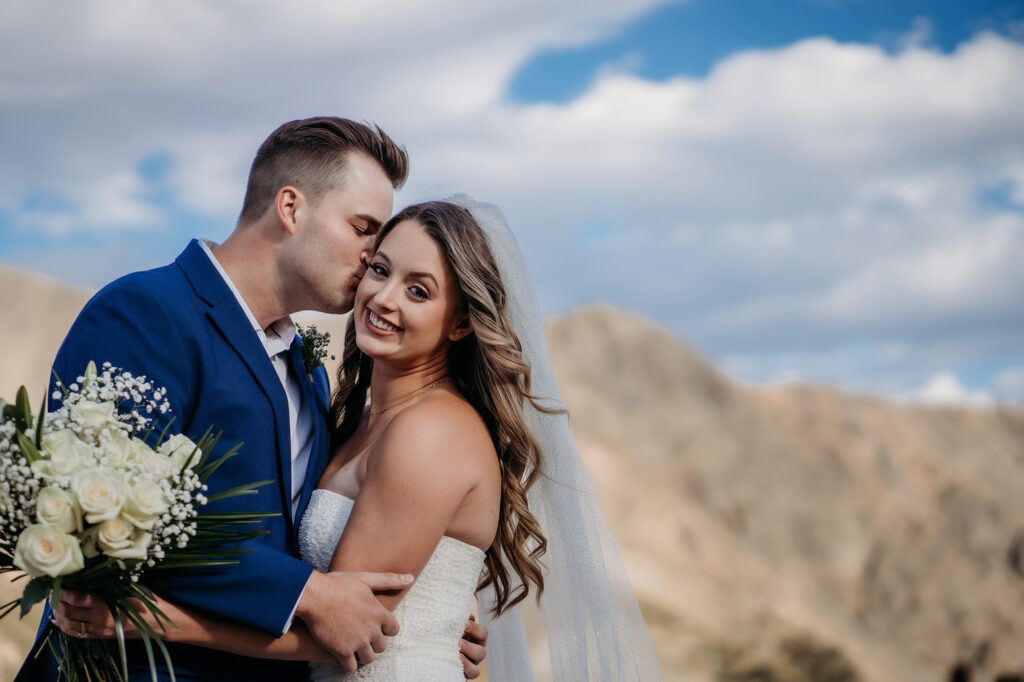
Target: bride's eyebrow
[422, 275]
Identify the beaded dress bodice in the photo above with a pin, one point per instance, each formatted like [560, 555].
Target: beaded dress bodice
[432, 615]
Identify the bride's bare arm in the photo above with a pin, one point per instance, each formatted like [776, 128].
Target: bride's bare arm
[417, 477]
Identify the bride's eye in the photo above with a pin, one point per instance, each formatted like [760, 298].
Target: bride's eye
[419, 292]
[378, 269]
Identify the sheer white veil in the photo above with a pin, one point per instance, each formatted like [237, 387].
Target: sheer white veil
[593, 623]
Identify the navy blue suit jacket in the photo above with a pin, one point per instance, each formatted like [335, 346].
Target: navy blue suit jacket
[181, 326]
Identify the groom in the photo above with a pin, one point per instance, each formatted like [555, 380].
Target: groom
[214, 329]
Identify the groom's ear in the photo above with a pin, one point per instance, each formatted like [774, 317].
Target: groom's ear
[287, 204]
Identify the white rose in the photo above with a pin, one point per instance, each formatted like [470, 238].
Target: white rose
[151, 460]
[180, 448]
[158, 464]
[44, 550]
[117, 533]
[139, 450]
[144, 503]
[136, 548]
[94, 415]
[99, 493]
[66, 450]
[58, 509]
[117, 448]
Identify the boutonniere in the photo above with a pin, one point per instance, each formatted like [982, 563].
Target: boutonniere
[314, 346]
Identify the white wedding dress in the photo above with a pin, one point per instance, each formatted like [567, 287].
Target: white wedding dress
[432, 615]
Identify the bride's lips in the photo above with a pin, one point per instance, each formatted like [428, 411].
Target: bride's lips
[370, 318]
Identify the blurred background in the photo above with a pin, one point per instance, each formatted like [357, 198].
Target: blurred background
[781, 246]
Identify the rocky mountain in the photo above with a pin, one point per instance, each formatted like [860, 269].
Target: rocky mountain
[785, 534]
[803, 532]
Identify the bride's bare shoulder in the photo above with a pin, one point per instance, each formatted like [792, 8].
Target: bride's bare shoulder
[441, 433]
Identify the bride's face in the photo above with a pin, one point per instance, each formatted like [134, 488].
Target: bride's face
[406, 304]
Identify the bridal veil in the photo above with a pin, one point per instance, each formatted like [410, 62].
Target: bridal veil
[593, 624]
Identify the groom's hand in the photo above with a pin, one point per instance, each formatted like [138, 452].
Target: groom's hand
[473, 648]
[344, 616]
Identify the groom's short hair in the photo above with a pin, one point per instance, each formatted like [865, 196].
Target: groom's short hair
[311, 154]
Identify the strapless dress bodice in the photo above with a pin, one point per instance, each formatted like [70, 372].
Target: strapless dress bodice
[432, 616]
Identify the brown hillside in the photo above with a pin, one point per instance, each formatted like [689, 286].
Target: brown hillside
[889, 534]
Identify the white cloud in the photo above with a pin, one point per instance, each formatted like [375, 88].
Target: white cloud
[793, 203]
[945, 389]
[100, 204]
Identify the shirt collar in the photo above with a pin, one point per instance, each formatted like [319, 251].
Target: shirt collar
[278, 337]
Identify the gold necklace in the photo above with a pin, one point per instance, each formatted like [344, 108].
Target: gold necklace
[410, 396]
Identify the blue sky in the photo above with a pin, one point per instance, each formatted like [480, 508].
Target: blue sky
[691, 37]
[814, 190]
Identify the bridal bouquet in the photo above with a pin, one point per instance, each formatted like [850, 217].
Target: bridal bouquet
[91, 498]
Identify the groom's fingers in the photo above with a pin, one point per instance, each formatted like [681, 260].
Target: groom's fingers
[476, 633]
[80, 599]
[474, 652]
[470, 670]
[348, 663]
[382, 582]
[365, 655]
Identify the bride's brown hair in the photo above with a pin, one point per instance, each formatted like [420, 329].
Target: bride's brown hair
[488, 369]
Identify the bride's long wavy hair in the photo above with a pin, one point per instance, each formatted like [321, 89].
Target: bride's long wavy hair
[488, 369]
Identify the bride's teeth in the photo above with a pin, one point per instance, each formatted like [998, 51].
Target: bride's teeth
[381, 324]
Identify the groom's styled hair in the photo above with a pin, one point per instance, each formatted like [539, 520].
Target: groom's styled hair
[311, 154]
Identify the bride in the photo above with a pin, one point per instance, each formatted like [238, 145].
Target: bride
[461, 470]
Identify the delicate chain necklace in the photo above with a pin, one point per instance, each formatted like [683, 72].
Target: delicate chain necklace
[412, 395]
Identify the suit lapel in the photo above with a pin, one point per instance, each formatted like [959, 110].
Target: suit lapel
[229, 318]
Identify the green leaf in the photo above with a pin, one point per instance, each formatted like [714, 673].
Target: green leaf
[164, 432]
[209, 468]
[24, 413]
[167, 657]
[35, 592]
[8, 607]
[236, 517]
[39, 424]
[60, 384]
[197, 449]
[248, 489]
[149, 655]
[28, 449]
[119, 627]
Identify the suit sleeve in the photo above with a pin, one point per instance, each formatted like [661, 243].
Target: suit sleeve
[129, 325]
